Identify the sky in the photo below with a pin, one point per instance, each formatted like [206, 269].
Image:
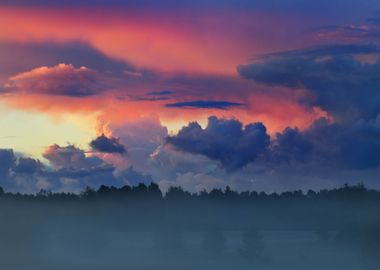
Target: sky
[253, 94]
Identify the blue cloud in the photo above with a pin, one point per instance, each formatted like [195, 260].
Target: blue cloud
[204, 104]
[26, 165]
[292, 144]
[104, 144]
[223, 140]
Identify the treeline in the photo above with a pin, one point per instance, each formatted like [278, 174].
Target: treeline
[152, 191]
[145, 207]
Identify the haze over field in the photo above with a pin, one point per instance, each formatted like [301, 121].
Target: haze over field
[135, 227]
[197, 94]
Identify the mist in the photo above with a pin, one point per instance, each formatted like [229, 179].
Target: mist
[139, 228]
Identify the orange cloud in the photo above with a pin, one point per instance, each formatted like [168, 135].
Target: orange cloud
[201, 42]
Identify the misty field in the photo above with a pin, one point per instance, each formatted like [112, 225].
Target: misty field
[138, 228]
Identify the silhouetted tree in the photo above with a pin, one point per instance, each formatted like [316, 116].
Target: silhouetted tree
[154, 191]
[89, 193]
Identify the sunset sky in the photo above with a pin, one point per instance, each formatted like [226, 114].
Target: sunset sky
[254, 94]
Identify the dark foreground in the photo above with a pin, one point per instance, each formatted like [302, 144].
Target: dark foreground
[137, 228]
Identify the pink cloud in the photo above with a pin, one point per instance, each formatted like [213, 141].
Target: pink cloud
[62, 79]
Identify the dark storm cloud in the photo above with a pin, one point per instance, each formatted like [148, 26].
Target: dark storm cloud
[104, 144]
[223, 140]
[204, 104]
[340, 83]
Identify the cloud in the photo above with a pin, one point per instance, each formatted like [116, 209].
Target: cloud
[154, 96]
[360, 145]
[69, 157]
[20, 174]
[160, 93]
[59, 80]
[204, 104]
[369, 31]
[26, 165]
[132, 177]
[51, 53]
[104, 144]
[339, 146]
[140, 137]
[223, 140]
[291, 145]
[71, 171]
[322, 51]
[339, 82]
[7, 161]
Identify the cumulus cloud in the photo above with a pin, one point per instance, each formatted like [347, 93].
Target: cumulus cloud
[223, 140]
[69, 157]
[104, 144]
[71, 171]
[61, 80]
[20, 174]
[204, 104]
[291, 145]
